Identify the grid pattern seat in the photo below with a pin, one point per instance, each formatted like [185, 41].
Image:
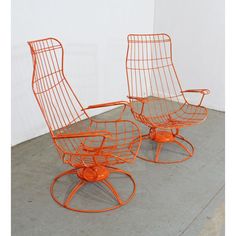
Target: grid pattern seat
[86, 151]
[175, 115]
[156, 96]
[67, 119]
[91, 147]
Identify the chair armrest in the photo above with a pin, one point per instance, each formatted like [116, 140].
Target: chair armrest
[139, 99]
[143, 100]
[116, 103]
[101, 133]
[202, 91]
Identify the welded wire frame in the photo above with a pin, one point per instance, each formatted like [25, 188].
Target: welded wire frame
[155, 92]
[90, 146]
[156, 97]
[80, 140]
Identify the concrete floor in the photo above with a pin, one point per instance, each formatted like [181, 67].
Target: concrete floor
[184, 199]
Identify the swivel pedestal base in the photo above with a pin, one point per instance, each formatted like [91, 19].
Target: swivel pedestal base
[92, 175]
[163, 137]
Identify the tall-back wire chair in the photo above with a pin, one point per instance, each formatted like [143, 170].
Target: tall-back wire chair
[92, 147]
[156, 97]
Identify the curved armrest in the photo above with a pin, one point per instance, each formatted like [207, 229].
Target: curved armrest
[101, 133]
[202, 91]
[116, 103]
[98, 133]
[139, 99]
[143, 100]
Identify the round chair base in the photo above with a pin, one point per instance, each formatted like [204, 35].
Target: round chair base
[167, 137]
[82, 182]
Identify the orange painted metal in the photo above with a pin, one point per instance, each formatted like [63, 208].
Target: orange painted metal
[156, 97]
[90, 146]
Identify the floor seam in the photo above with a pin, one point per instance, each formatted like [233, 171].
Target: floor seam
[208, 203]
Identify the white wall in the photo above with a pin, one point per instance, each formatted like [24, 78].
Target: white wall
[94, 37]
[197, 31]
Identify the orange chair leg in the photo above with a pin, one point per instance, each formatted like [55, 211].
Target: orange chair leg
[86, 179]
[163, 137]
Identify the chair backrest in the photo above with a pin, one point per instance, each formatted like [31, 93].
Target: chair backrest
[57, 101]
[150, 70]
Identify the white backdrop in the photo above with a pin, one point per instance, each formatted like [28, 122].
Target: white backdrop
[197, 31]
[94, 37]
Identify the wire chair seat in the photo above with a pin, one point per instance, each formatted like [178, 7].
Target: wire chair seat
[178, 116]
[91, 147]
[156, 96]
[87, 151]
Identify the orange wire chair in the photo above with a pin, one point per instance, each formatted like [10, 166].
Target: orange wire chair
[92, 147]
[156, 97]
